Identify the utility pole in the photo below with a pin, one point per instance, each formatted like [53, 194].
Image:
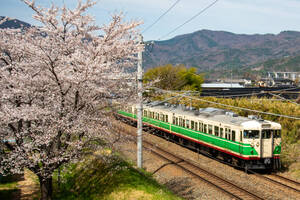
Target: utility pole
[140, 107]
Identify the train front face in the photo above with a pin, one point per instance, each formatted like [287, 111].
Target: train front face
[264, 138]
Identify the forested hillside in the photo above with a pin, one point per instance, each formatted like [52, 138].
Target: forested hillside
[218, 50]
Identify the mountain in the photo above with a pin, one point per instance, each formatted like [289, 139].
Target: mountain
[218, 53]
[219, 50]
[13, 23]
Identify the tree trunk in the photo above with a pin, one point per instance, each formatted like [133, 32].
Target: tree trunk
[46, 188]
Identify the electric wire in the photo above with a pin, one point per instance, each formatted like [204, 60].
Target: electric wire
[193, 17]
[159, 18]
[226, 105]
[278, 96]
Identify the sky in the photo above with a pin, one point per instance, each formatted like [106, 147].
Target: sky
[237, 16]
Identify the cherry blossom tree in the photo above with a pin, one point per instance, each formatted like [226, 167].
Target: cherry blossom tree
[56, 81]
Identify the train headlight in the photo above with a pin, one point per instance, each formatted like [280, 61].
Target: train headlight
[267, 161]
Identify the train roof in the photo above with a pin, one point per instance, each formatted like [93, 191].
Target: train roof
[212, 114]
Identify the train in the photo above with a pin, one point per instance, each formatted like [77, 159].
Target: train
[251, 143]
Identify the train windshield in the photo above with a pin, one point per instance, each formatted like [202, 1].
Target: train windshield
[251, 134]
[266, 134]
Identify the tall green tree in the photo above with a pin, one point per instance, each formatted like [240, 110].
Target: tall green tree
[171, 77]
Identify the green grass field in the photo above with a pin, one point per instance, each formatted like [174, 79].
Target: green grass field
[116, 179]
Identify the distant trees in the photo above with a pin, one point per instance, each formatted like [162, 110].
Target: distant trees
[171, 77]
[56, 81]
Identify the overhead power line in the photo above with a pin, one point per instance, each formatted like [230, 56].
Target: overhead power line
[235, 107]
[146, 29]
[199, 13]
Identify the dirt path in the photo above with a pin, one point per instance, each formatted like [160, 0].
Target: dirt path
[29, 187]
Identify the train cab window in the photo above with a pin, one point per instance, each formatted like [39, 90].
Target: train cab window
[145, 113]
[221, 132]
[216, 130]
[188, 123]
[210, 129]
[205, 128]
[233, 135]
[251, 134]
[277, 134]
[266, 134]
[193, 125]
[196, 126]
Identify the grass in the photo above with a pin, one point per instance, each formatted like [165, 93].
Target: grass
[116, 179]
[9, 187]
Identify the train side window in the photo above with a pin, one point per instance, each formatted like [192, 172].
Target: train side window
[196, 126]
[226, 133]
[241, 136]
[183, 123]
[233, 135]
[201, 127]
[209, 129]
[188, 123]
[135, 111]
[180, 121]
[174, 120]
[167, 120]
[192, 125]
[221, 132]
[205, 128]
[216, 131]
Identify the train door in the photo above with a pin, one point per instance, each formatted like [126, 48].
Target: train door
[227, 136]
[266, 143]
[241, 141]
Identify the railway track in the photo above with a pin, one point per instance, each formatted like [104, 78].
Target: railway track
[228, 188]
[294, 184]
[283, 182]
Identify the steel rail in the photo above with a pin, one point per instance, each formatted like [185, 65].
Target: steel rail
[218, 178]
[274, 181]
[179, 161]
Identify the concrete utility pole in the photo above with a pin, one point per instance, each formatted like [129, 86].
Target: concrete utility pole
[140, 108]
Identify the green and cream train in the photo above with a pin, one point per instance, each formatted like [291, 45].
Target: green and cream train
[247, 142]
